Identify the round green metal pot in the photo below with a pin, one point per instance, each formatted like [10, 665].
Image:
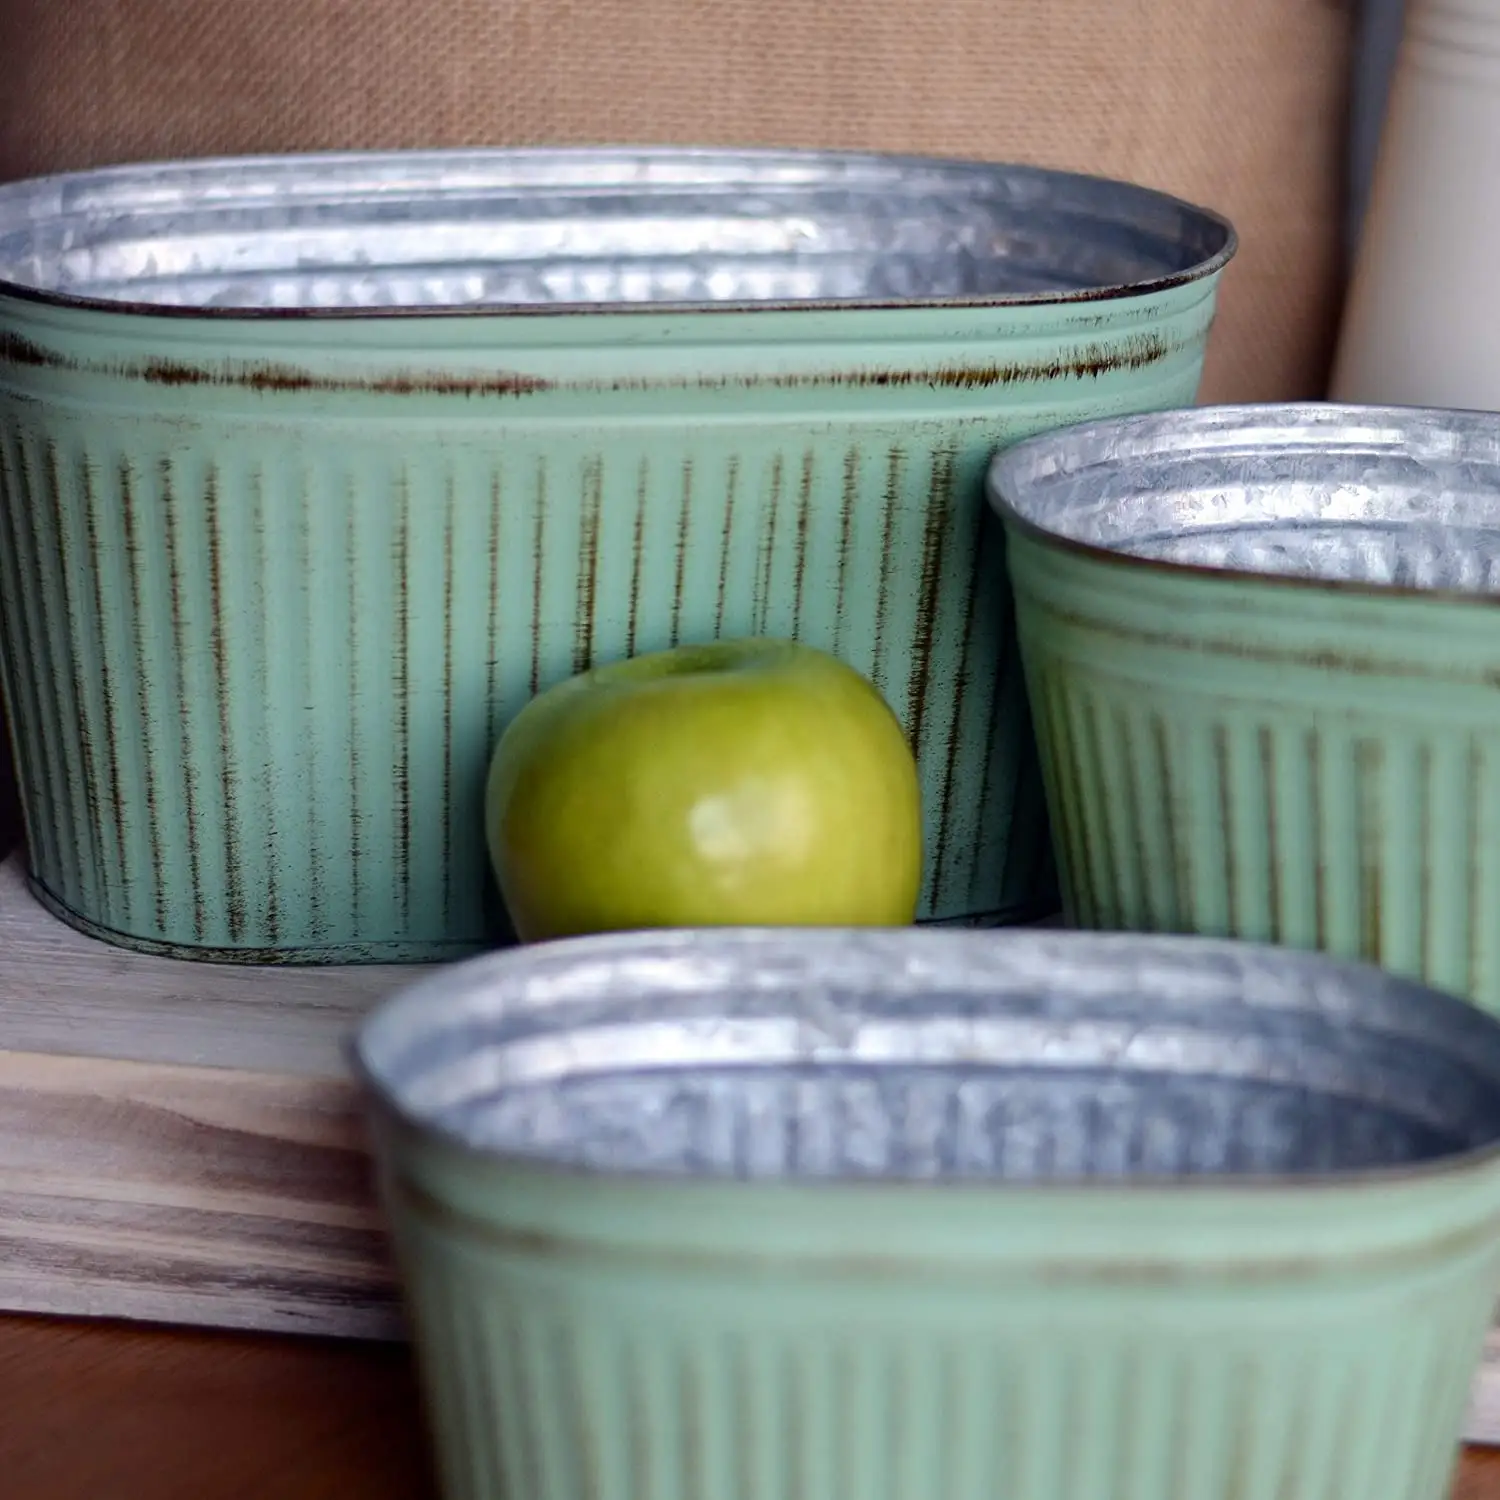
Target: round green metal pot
[1262, 646]
[275, 570]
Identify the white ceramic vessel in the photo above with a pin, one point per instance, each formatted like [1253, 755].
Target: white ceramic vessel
[1422, 324]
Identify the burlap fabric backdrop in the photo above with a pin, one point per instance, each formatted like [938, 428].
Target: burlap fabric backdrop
[1237, 105]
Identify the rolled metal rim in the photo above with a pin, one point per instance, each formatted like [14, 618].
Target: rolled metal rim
[1209, 428]
[1217, 228]
[545, 980]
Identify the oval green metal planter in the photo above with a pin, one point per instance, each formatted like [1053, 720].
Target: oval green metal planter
[1234, 745]
[271, 585]
[1105, 1240]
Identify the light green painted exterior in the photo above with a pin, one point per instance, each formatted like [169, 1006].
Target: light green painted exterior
[270, 588]
[607, 1339]
[1318, 767]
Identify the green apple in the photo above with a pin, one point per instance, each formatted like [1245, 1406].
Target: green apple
[739, 783]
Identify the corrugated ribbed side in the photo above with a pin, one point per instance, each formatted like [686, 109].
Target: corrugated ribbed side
[259, 643]
[1268, 772]
[550, 1380]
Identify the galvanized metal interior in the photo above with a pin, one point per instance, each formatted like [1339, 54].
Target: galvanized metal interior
[1385, 497]
[1023, 1057]
[428, 231]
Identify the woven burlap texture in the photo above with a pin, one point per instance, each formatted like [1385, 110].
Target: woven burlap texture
[1238, 106]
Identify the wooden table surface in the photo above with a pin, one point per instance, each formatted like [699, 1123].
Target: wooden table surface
[99, 1411]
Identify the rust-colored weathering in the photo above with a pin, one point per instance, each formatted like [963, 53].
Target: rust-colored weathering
[731, 495]
[1085, 361]
[934, 534]
[288, 378]
[237, 912]
[637, 554]
[588, 565]
[684, 527]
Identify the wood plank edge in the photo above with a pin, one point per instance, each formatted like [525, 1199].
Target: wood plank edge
[64, 992]
[1482, 1424]
[138, 1304]
[190, 1194]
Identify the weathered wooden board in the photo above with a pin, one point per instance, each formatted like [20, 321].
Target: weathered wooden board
[182, 1141]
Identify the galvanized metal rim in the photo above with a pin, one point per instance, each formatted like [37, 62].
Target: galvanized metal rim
[1264, 1186]
[120, 307]
[457, 979]
[1015, 458]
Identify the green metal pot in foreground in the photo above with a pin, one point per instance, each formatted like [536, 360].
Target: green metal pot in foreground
[313, 470]
[1262, 647]
[970, 1216]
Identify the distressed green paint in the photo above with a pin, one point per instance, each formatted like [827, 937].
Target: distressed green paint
[582, 1338]
[1269, 760]
[270, 588]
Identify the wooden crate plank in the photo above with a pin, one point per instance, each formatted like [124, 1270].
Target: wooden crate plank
[183, 1141]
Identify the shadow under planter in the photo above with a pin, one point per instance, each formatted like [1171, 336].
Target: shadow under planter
[10, 810]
